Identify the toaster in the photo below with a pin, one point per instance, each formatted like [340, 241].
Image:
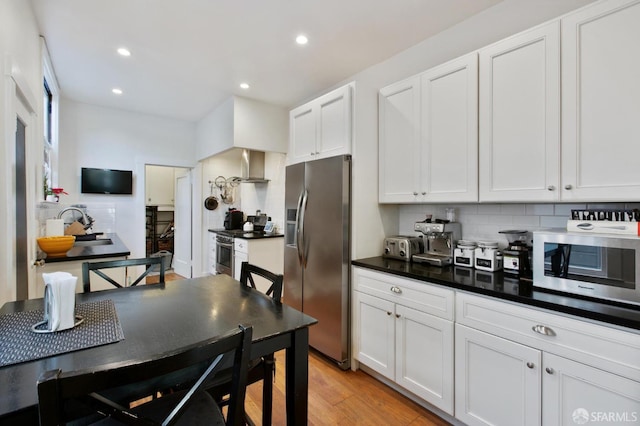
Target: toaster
[402, 247]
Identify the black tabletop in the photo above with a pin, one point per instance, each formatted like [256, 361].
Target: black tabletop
[499, 285]
[155, 319]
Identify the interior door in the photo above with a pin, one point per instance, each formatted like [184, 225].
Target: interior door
[182, 225]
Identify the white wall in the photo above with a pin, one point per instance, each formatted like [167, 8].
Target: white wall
[371, 221]
[19, 59]
[99, 137]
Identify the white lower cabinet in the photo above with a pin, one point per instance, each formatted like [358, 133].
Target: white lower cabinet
[404, 331]
[74, 267]
[521, 366]
[267, 253]
[497, 380]
[211, 257]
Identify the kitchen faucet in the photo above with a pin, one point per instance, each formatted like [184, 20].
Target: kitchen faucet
[86, 221]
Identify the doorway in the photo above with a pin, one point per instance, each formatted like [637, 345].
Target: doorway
[164, 211]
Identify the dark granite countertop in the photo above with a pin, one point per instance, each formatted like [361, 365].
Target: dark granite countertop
[496, 284]
[252, 235]
[91, 251]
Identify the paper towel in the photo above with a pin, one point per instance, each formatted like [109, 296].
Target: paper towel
[55, 227]
[60, 300]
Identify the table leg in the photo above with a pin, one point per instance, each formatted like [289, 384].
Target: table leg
[297, 378]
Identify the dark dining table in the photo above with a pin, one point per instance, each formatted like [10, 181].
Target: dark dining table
[158, 318]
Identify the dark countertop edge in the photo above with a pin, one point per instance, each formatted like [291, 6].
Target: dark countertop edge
[628, 317]
[248, 235]
[92, 252]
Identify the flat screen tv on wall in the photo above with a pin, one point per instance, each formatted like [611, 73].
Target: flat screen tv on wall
[106, 181]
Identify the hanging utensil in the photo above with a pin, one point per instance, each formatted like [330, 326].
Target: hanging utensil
[211, 202]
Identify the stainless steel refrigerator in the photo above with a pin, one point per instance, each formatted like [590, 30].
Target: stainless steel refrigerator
[317, 250]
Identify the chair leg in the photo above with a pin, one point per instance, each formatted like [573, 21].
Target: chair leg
[267, 389]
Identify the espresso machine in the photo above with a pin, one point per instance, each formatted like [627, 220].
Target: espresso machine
[439, 242]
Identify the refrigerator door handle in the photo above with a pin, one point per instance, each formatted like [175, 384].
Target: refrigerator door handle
[298, 233]
[301, 247]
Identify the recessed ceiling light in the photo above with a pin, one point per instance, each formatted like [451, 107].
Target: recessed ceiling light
[302, 39]
[116, 91]
[124, 51]
[244, 86]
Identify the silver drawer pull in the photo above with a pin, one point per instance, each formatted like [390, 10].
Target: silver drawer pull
[396, 290]
[530, 365]
[543, 329]
[388, 313]
[549, 370]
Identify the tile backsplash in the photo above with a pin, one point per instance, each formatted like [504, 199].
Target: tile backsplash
[103, 214]
[484, 221]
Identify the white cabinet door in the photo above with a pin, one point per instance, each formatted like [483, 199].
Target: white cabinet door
[399, 142]
[449, 123]
[74, 267]
[600, 107]
[321, 128]
[575, 393]
[497, 381]
[520, 117]
[375, 331]
[424, 356]
[302, 134]
[334, 123]
[159, 185]
[238, 258]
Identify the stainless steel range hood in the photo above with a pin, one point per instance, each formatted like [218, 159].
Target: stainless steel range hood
[252, 167]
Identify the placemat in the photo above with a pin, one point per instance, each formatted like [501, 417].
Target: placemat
[19, 344]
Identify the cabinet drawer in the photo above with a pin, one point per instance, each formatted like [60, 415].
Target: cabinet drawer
[424, 297]
[611, 349]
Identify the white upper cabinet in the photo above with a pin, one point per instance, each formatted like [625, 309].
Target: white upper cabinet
[399, 141]
[322, 128]
[428, 137]
[159, 185]
[601, 102]
[520, 117]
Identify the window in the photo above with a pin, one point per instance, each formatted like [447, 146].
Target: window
[50, 124]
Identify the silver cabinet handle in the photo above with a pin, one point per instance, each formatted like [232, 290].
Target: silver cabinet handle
[549, 370]
[415, 192]
[530, 365]
[568, 187]
[551, 188]
[396, 290]
[397, 315]
[424, 192]
[39, 262]
[543, 329]
[388, 313]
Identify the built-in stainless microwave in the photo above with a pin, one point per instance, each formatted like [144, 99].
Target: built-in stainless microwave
[604, 266]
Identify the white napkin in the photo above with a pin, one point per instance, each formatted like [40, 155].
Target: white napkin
[60, 300]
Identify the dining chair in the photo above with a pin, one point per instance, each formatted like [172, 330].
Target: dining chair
[263, 369]
[96, 267]
[63, 396]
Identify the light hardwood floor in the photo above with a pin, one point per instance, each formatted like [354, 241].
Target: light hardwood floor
[339, 397]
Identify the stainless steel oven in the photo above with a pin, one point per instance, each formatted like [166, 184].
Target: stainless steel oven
[224, 254]
[605, 266]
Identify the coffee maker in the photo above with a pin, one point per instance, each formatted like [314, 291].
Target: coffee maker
[517, 256]
[439, 242]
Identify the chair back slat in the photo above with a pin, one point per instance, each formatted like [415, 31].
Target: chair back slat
[95, 267]
[247, 272]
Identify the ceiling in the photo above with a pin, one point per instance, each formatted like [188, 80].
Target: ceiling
[190, 55]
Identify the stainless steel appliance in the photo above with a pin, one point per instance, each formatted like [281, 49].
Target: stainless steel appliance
[605, 266]
[224, 254]
[402, 247]
[439, 242]
[317, 250]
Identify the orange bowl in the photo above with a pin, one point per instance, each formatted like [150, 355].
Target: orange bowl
[56, 246]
